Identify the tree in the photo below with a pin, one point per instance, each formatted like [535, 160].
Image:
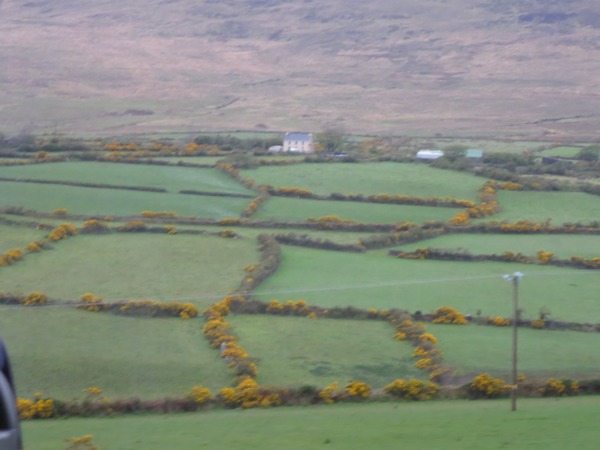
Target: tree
[331, 140]
[589, 153]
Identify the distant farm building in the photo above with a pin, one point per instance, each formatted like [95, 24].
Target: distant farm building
[474, 153]
[275, 148]
[429, 154]
[298, 143]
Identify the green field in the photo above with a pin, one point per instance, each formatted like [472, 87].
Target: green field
[61, 351]
[560, 207]
[538, 424]
[198, 269]
[298, 351]
[473, 349]
[18, 237]
[282, 209]
[151, 358]
[562, 151]
[375, 280]
[171, 178]
[563, 246]
[108, 202]
[371, 178]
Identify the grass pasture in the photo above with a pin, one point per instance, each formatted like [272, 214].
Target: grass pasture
[109, 202]
[473, 349]
[173, 179]
[563, 151]
[538, 424]
[298, 351]
[375, 280]
[282, 209]
[12, 236]
[560, 207]
[61, 351]
[417, 180]
[198, 269]
[563, 246]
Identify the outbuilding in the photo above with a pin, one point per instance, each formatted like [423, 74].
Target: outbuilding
[429, 154]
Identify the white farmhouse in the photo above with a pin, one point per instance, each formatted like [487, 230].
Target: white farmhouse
[298, 143]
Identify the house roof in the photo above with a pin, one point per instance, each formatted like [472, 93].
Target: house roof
[298, 137]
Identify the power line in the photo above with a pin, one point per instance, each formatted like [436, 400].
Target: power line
[205, 296]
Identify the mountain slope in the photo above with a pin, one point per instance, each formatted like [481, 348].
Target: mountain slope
[104, 67]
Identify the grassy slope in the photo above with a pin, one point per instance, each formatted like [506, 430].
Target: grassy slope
[293, 351]
[371, 178]
[300, 209]
[366, 66]
[125, 266]
[473, 349]
[60, 351]
[481, 425]
[562, 151]
[173, 179]
[18, 236]
[375, 280]
[108, 202]
[563, 246]
[561, 207]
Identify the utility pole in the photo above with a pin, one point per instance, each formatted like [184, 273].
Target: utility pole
[515, 277]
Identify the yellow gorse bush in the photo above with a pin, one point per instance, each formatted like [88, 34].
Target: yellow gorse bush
[428, 337]
[446, 314]
[538, 323]
[94, 226]
[411, 389]
[357, 389]
[34, 246]
[329, 394]
[544, 257]
[248, 394]
[35, 298]
[484, 385]
[499, 321]
[35, 409]
[200, 394]
[62, 232]
[557, 388]
[93, 391]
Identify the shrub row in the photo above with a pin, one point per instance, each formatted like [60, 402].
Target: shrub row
[83, 184]
[217, 331]
[486, 207]
[60, 232]
[139, 308]
[304, 240]
[234, 173]
[270, 258]
[249, 210]
[248, 394]
[33, 299]
[542, 257]
[392, 199]
[213, 194]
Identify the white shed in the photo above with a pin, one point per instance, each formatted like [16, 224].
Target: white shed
[429, 154]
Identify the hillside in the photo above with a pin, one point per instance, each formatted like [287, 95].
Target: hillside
[511, 67]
